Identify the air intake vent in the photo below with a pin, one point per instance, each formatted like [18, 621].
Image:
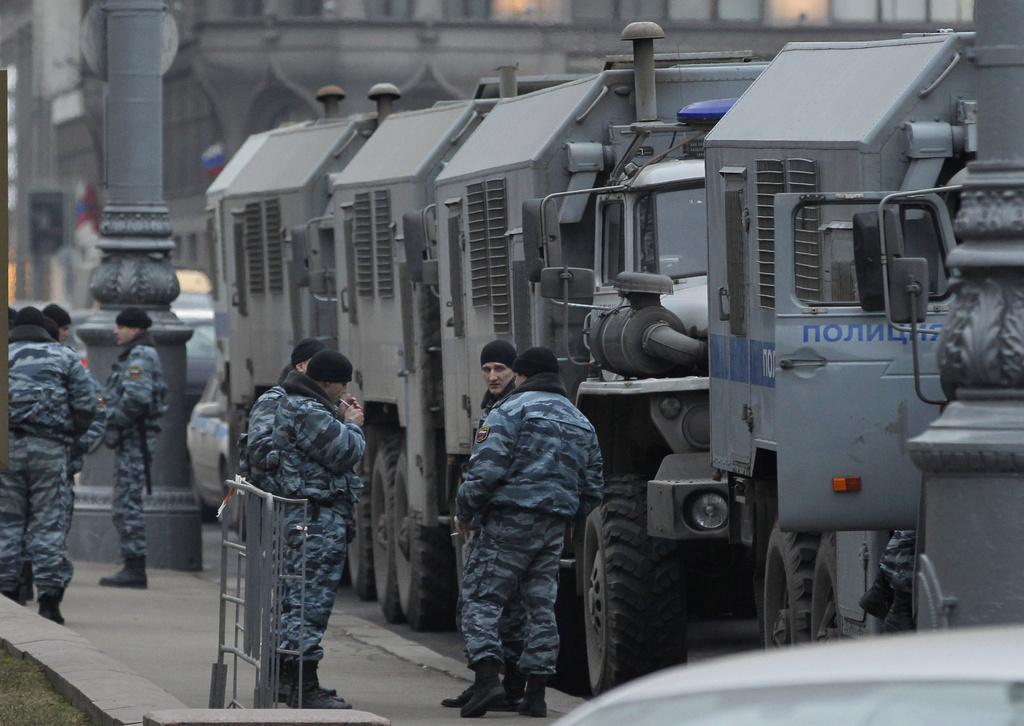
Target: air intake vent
[362, 243]
[382, 243]
[253, 241]
[275, 262]
[694, 149]
[771, 180]
[488, 251]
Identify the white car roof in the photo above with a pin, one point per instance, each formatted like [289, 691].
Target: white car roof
[966, 655]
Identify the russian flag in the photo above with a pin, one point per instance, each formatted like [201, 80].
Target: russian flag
[87, 208]
[213, 160]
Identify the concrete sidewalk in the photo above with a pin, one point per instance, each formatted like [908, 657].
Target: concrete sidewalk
[168, 634]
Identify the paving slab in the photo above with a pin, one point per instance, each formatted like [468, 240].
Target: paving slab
[219, 717]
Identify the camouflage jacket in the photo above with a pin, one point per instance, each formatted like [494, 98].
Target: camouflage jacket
[135, 391]
[317, 451]
[534, 452]
[50, 394]
[256, 461]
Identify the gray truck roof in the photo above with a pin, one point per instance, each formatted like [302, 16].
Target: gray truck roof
[834, 94]
[404, 144]
[236, 164]
[518, 130]
[289, 157]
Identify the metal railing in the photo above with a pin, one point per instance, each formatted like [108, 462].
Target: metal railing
[255, 527]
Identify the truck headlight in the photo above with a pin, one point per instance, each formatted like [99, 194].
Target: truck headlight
[707, 510]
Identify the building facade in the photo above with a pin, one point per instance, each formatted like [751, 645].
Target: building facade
[244, 66]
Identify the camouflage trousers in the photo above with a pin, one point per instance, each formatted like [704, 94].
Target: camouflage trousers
[129, 485]
[67, 569]
[516, 551]
[326, 548]
[511, 627]
[32, 518]
[897, 562]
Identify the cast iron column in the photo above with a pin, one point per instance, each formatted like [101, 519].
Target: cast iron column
[973, 455]
[136, 270]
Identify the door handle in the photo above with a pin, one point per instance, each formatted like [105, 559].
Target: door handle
[723, 304]
[789, 363]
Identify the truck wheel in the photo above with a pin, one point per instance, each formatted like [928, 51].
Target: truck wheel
[382, 504]
[635, 605]
[825, 621]
[424, 564]
[788, 583]
[360, 552]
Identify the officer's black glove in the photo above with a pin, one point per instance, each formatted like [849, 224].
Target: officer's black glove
[350, 531]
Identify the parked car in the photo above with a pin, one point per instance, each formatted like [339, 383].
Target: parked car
[970, 676]
[196, 310]
[207, 440]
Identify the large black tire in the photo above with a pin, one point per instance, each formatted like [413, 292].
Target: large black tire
[360, 552]
[788, 584]
[382, 506]
[826, 623]
[571, 675]
[635, 604]
[424, 564]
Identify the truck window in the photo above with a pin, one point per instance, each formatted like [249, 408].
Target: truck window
[614, 240]
[672, 235]
[823, 252]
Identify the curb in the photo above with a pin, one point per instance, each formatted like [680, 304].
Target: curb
[367, 633]
[108, 691]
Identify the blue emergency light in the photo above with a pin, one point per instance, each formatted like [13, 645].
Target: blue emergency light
[705, 112]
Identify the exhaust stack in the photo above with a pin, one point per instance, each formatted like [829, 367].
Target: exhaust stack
[508, 86]
[330, 97]
[642, 35]
[384, 94]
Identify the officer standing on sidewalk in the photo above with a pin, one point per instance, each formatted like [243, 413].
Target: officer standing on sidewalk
[255, 446]
[136, 399]
[496, 361]
[318, 451]
[535, 467]
[51, 405]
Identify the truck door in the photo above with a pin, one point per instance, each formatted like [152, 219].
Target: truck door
[844, 379]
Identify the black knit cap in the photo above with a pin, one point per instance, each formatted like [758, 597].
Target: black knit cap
[51, 328]
[133, 318]
[306, 349]
[498, 351]
[535, 360]
[29, 315]
[329, 366]
[57, 314]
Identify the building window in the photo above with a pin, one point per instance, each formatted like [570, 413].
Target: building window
[904, 11]
[619, 9]
[961, 11]
[689, 9]
[748, 10]
[308, 8]
[389, 8]
[847, 11]
[797, 12]
[467, 8]
[247, 8]
[193, 248]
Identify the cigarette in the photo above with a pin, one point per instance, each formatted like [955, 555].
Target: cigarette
[455, 534]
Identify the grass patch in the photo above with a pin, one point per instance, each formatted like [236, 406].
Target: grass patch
[28, 699]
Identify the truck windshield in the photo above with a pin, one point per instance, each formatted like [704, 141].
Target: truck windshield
[672, 229]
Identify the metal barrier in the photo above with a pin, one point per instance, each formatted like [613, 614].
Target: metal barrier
[254, 530]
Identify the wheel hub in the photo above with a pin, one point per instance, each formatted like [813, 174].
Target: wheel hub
[596, 598]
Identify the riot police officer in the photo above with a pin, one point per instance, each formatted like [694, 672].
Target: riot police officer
[47, 383]
[535, 467]
[318, 449]
[136, 399]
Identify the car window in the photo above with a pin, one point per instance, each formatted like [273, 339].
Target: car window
[857, 704]
[202, 344]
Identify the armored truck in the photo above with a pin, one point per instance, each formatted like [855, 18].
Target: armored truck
[276, 184]
[823, 216]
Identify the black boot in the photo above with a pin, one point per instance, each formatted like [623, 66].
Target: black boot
[458, 701]
[877, 600]
[487, 689]
[312, 695]
[25, 583]
[49, 606]
[513, 682]
[533, 703]
[133, 575]
[286, 679]
[901, 615]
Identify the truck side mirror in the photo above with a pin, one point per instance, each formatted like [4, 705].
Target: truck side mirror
[415, 235]
[542, 244]
[431, 273]
[580, 287]
[908, 289]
